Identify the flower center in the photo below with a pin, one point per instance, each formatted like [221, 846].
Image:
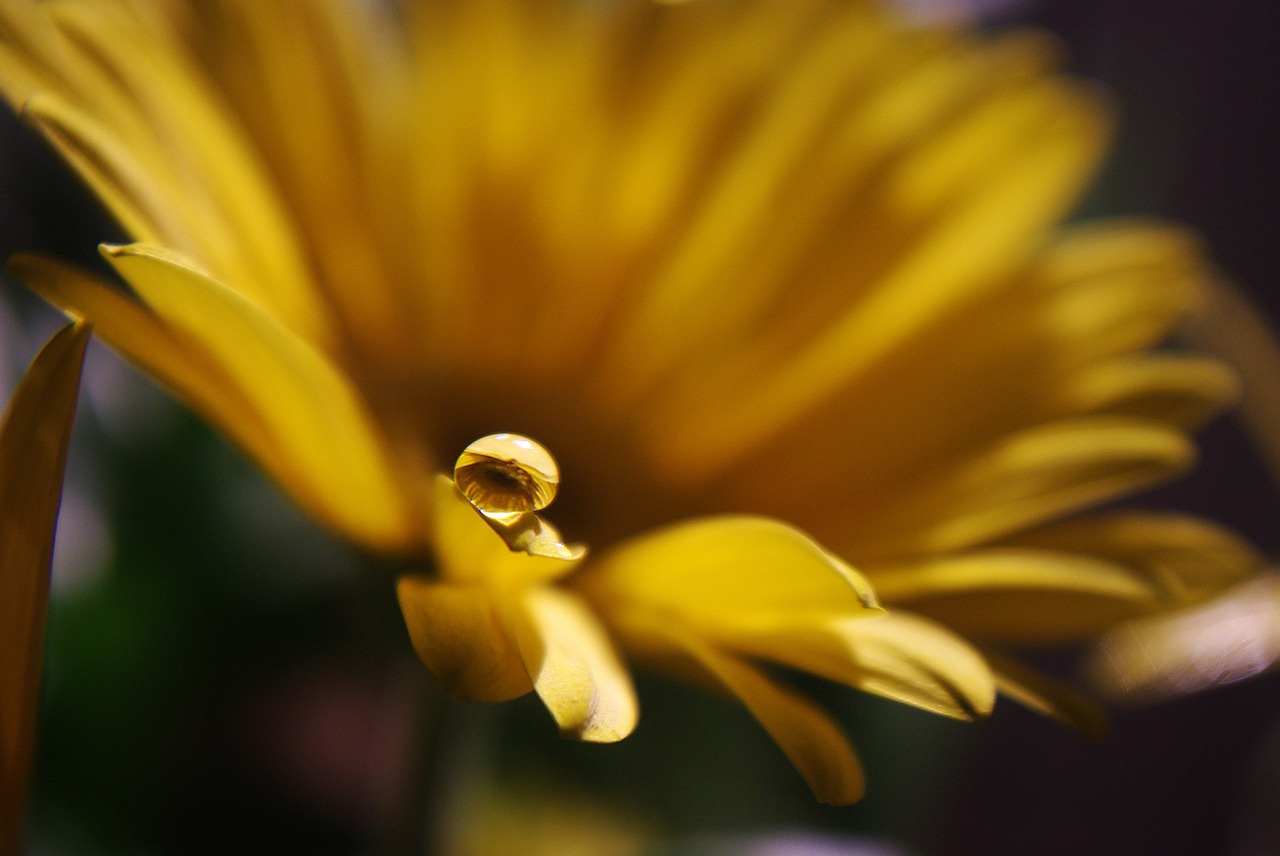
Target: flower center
[507, 474]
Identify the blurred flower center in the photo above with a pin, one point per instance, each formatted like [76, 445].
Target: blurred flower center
[616, 490]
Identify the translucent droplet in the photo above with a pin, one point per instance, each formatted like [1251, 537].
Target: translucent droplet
[507, 474]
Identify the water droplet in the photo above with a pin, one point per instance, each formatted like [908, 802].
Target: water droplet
[507, 474]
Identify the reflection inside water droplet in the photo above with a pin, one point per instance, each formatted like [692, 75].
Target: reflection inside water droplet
[507, 478]
[507, 474]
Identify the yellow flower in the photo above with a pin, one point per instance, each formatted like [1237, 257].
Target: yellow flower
[741, 266]
[492, 628]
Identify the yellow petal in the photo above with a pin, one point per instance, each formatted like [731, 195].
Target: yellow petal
[811, 740]
[1187, 557]
[456, 632]
[151, 345]
[1020, 594]
[1116, 287]
[610, 199]
[43, 58]
[1182, 390]
[951, 237]
[1023, 479]
[572, 663]
[1025, 353]
[1046, 695]
[739, 208]
[916, 661]
[1008, 568]
[33, 451]
[898, 656]
[725, 575]
[470, 551]
[111, 172]
[1111, 250]
[190, 156]
[318, 84]
[269, 390]
[313, 407]
[526, 532]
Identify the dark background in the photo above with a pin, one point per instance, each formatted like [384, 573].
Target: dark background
[1197, 87]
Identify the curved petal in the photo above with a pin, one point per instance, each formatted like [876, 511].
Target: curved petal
[1119, 286]
[33, 452]
[120, 98]
[572, 663]
[100, 160]
[470, 551]
[1046, 695]
[1020, 594]
[1015, 357]
[898, 656]
[1009, 568]
[709, 278]
[1181, 390]
[913, 660]
[456, 632]
[725, 575]
[319, 84]
[151, 346]
[1021, 480]
[269, 390]
[1187, 557]
[811, 740]
[945, 236]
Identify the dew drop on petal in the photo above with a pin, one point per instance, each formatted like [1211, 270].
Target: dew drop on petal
[507, 474]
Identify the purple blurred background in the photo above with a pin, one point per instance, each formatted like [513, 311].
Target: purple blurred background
[1197, 88]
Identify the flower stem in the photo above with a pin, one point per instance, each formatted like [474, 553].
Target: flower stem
[446, 742]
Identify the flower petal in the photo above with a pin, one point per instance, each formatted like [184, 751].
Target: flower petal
[696, 289]
[725, 575]
[994, 365]
[456, 632]
[152, 346]
[313, 407]
[572, 663]
[270, 391]
[942, 237]
[470, 551]
[33, 451]
[1177, 389]
[1023, 479]
[318, 84]
[110, 171]
[1046, 695]
[898, 656]
[1020, 594]
[1187, 557]
[124, 100]
[811, 740]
